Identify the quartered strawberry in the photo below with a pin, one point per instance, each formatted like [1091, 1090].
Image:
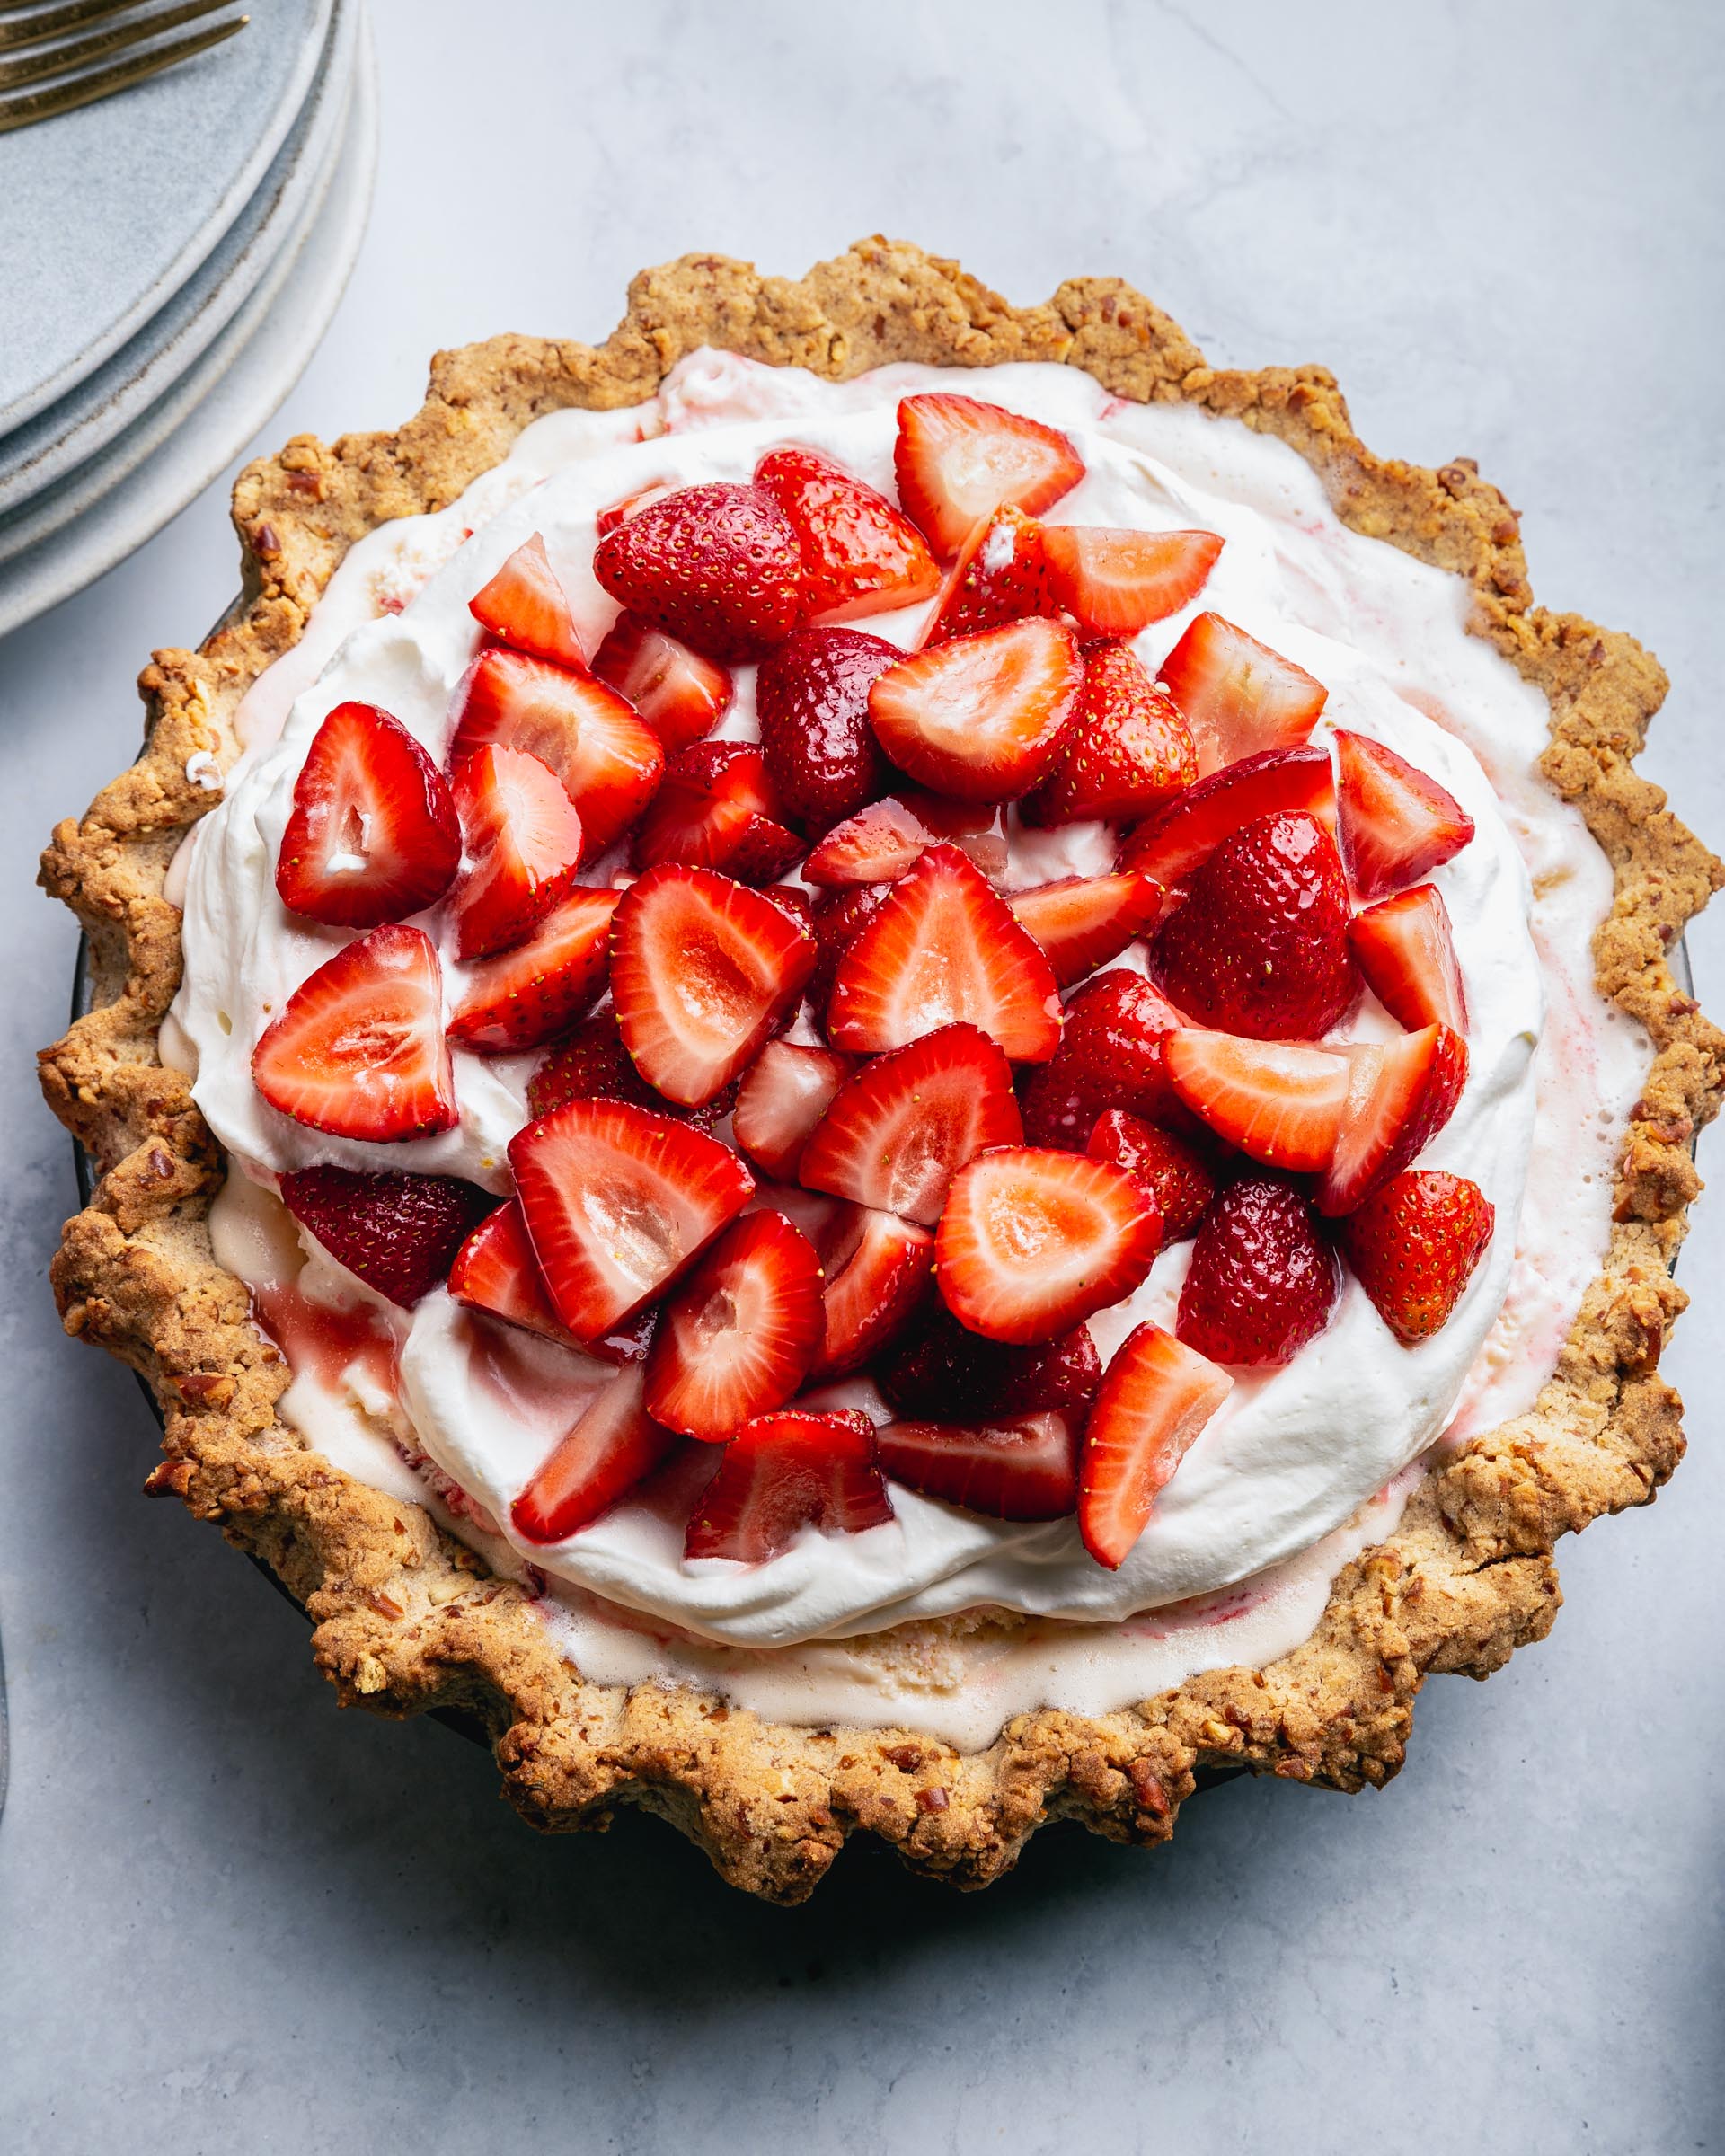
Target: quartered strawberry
[812, 698]
[875, 845]
[1262, 1281]
[783, 1096]
[782, 1472]
[398, 1233]
[998, 578]
[523, 837]
[1401, 1093]
[938, 1371]
[716, 809]
[619, 1203]
[1156, 1397]
[1261, 945]
[1032, 1241]
[877, 1268]
[1083, 922]
[1413, 1246]
[1238, 696]
[977, 828]
[837, 918]
[611, 1445]
[1397, 823]
[738, 1337]
[860, 554]
[701, 971]
[681, 695]
[956, 460]
[526, 606]
[608, 758]
[529, 996]
[943, 948]
[1126, 751]
[1181, 837]
[718, 567]
[1405, 949]
[373, 834]
[1110, 1055]
[899, 1131]
[981, 718]
[496, 1271]
[1115, 582]
[358, 1049]
[1175, 1174]
[1280, 1102]
[1021, 1468]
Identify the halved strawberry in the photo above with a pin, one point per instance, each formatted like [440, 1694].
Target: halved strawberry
[983, 717]
[1277, 1100]
[358, 1049]
[977, 828]
[1155, 1399]
[1179, 837]
[1400, 1095]
[681, 695]
[716, 809]
[1405, 949]
[1083, 922]
[1176, 1175]
[1020, 1468]
[496, 1271]
[611, 1445]
[943, 948]
[1262, 1281]
[900, 1130]
[877, 1268]
[939, 1372]
[373, 834]
[718, 567]
[860, 554]
[523, 846]
[1413, 1246]
[1397, 823]
[811, 699]
[1032, 1241]
[1110, 1055]
[739, 1336]
[527, 608]
[701, 971]
[958, 459]
[1239, 697]
[1114, 582]
[784, 1473]
[619, 1203]
[1126, 751]
[784, 1095]
[398, 1233]
[528, 996]
[998, 578]
[607, 758]
[875, 845]
[593, 1064]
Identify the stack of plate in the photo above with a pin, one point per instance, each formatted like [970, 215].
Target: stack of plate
[169, 259]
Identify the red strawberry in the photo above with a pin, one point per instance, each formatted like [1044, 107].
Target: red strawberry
[1177, 1177]
[1025, 1468]
[716, 809]
[738, 1337]
[593, 1064]
[396, 1232]
[977, 828]
[527, 608]
[877, 1269]
[1114, 583]
[1277, 1100]
[837, 920]
[530, 994]
[495, 1271]
[1397, 824]
[701, 971]
[608, 759]
[941, 1372]
[1261, 945]
[1126, 751]
[1401, 1093]
[1405, 948]
[629, 505]
[613, 1445]
[982, 718]
[900, 1129]
[523, 843]
[943, 948]
[1084, 922]
[956, 460]
[1155, 1399]
[359, 1050]
[373, 834]
[811, 697]
[1413, 1246]
[875, 845]
[860, 555]
[1238, 696]
[998, 578]
[717, 567]
[1182, 836]
[1032, 1241]
[619, 1203]
[681, 695]
[784, 1473]
[1110, 1055]
[786, 1092]
[1262, 1280]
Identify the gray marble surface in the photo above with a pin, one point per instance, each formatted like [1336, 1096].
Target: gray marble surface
[232, 1919]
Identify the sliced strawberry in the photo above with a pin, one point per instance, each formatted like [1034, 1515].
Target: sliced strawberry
[943, 948]
[1397, 824]
[373, 834]
[1110, 1055]
[739, 1336]
[398, 1233]
[1175, 1174]
[608, 758]
[593, 1064]
[1126, 751]
[629, 505]
[784, 1473]
[1405, 949]
[496, 1271]
[529, 996]
[812, 698]
[1239, 697]
[526, 606]
[977, 828]
[613, 1445]
[716, 809]
[1401, 1093]
[1262, 1281]
[681, 695]
[877, 1269]
[1084, 922]
[998, 578]
[786, 1092]
[1157, 1396]
[981, 718]
[1022, 1468]
[875, 845]
[1114, 583]
[938, 1371]
[900, 1130]
[956, 460]
[1171, 845]
[523, 846]
[837, 919]
[1413, 1246]
[718, 567]
[701, 971]
[1277, 1100]
[860, 554]
[619, 1203]
[359, 1050]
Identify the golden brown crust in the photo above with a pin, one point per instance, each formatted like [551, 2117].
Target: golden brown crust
[405, 1618]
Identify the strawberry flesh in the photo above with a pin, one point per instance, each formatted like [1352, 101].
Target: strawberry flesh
[495, 1271]
[1084, 922]
[1400, 1095]
[525, 607]
[1126, 751]
[681, 695]
[739, 1336]
[1115, 583]
[526, 997]
[1174, 1173]
[998, 578]
[613, 1445]
[939, 1372]
[981, 718]
[523, 846]
[956, 460]
[1413, 1246]
[1278, 1101]
[782, 1472]
[1262, 1281]
[718, 567]
[398, 1233]
[860, 554]
[1181, 835]
[877, 1268]
[1018, 1468]
[1406, 950]
[1239, 697]
[373, 834]
[812, 698]
[1155, 1400]
[875, 845]
[717, 809]
[1397, 823]
[784, 1097]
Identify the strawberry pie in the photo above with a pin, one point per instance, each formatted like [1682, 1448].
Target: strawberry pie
[879, 1062]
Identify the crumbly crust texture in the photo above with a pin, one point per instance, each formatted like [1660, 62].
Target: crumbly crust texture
[406, 1619]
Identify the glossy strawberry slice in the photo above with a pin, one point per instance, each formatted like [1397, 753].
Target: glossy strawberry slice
[838, 917]
[1110, 1055]
[1397, 823]
[860, 554]
[981, 718]
[1126, 751]
[1114, 582]
[526, 997]
[1179, 837]
[1022, 1468]
[718, 567]
[1084, 922]
[812, 698]
[958, 459]
[1401, 1093]
[1405, 949]
[1277, 1100]
[1263, 1282]
[716, 809]
[943, 948]
[1413, 1246]
[786, 1092]
[359, 1050]
[523, 846]
[611, 1445]
[782, 1472]
[701, 971]
[977, 828]
[527, 607]
[681, 695]
[619, 1203]
[373, 833]
[739, 1336]
[938, 1371]
[1175, 1174]
[877, 1268]
[496, 1271]
[1156, 1397]
[1239, 697]
[875, 845]
[998, 578]
[398, 1233]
